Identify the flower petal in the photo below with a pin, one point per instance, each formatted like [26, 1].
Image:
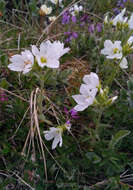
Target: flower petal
[124, 63]
[80, 107]
[80, 99]
[55, 142]
[35, 50]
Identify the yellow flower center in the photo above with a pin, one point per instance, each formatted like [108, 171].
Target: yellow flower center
[43, 60]
[75, 12]
[115, 50]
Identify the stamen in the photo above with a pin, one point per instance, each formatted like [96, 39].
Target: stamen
[115, 50]
[43, 60]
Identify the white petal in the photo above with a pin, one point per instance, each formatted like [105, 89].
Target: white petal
[113, 56]
[92, 79]
[55, 142]
[93, 92]
[48, 136]
[84, 90]
[124, 63]
[80, 107]
[90, 100]
[130, 40]
[16, 58]
[119, 17]
[15, 67]
[51, 133]
[117, 44]
[130, 21]
[26, 70]
[35, 50]
[53, 63]
[80, 99]
[108, 43]
[60, 141]
[44, 48]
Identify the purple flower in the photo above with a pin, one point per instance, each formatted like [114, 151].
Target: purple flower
[74, 19]
[66, 18]
[72, 113]
[74, 35]
[99, 27]
[116, 11]
[84, 18]
[122, 5]
[70, 36]
[91, 28]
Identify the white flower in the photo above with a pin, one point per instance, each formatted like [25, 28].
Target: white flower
[84, 99]
[44, 10]
[124, 63]
[56, 1]
[112, 50]
[49, 53]
[130, 40]
[22, 63]
[130, 22]
[87, 92]
[91, 80]
[52, 18]
[75, 9]
[120, 18]
[56, 134]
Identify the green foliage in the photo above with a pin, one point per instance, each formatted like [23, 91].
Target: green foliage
[97, 152]
[118, 136]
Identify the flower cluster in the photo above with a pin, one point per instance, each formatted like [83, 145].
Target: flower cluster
[120, 5]
[56, 134]
[47, 55]
[45, 10]
[71, 14]
[88, 91]
[121, 20]
[115, 51]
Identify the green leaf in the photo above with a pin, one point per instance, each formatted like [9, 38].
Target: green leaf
[130, 83]
[93, 157]
[118, 136]
[4, 83]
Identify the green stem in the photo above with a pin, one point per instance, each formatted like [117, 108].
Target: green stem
[114, 73]
[98, 123]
